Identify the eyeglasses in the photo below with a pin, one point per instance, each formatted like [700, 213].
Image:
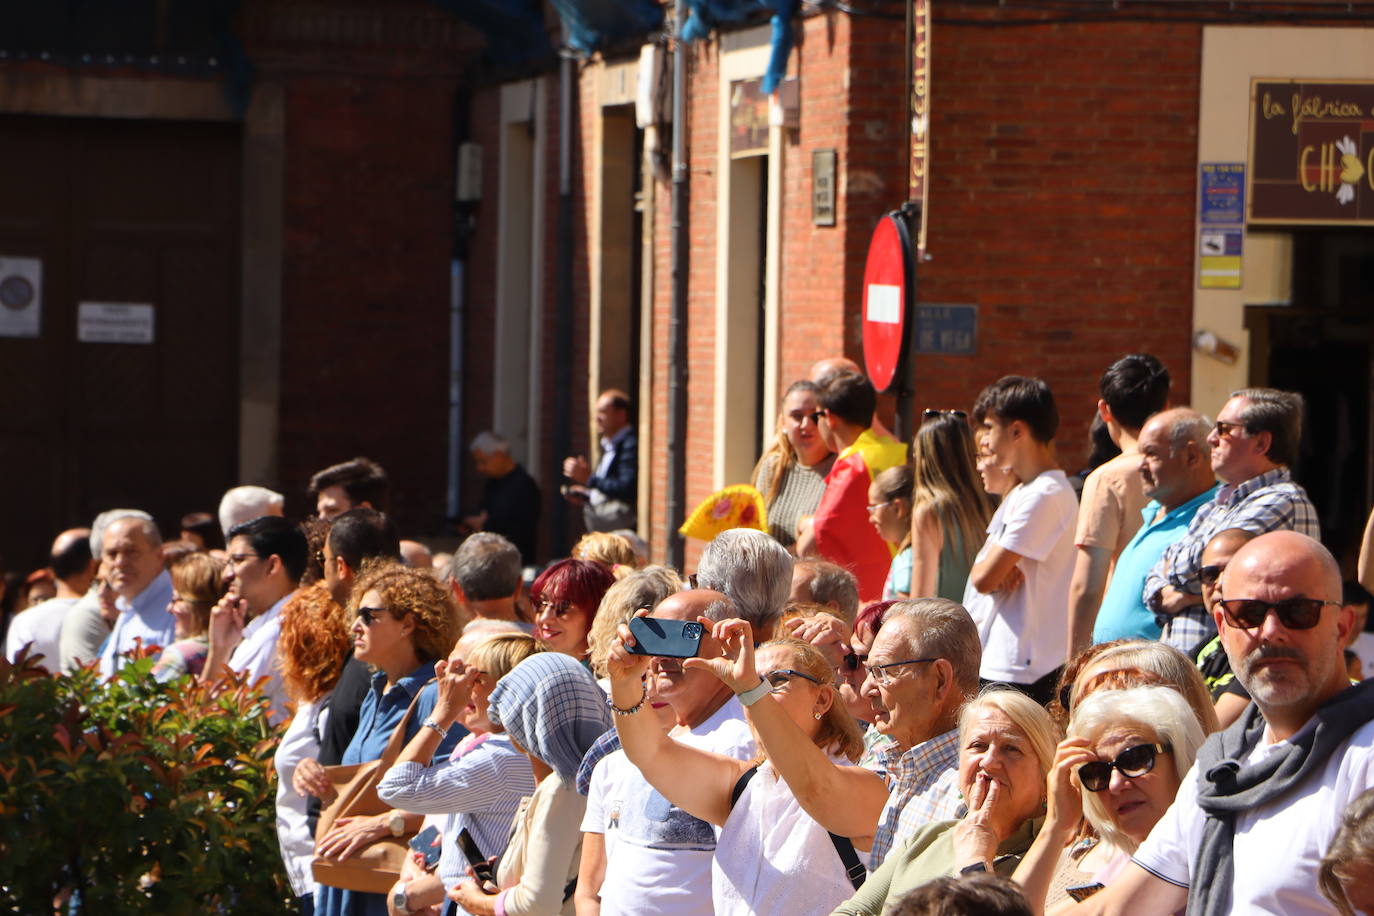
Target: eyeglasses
[930, 413]
[369, 614]
[1208, 575]
[853, 661]
[879, 672]
[1229, 430]
[560, 609]
[780, 678]
[1295, 613]
[800, 418]
[819, 415]
[873, 507]
[1132, 762]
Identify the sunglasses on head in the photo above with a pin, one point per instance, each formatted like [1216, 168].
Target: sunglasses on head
[930, 413]
[1295, 613]
[1132, 762]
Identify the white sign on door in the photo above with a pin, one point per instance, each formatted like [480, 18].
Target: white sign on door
[21, 296]
[114, 322]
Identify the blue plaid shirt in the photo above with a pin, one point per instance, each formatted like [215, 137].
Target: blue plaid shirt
[1269, 502]
[923, 787]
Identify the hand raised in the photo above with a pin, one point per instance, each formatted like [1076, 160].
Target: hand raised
[735, 665]
[621, 663]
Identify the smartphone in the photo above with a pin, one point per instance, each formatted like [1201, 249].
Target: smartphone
[1081, 892]
[668, 638]
[429, 844]
[480, 866]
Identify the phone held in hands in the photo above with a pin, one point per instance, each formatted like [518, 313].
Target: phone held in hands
[429, 844]
[666, 638]
[480, 866]
[1081, 892]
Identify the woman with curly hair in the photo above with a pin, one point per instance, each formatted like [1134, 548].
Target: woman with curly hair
[403, 621]
[312, 649]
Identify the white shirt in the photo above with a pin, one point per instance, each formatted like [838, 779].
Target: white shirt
[1278, 846]
[1025, 631]
[658, 857]
[301, 740]
[256, 656]
[40, 628]
[146, 618]
[772, 857]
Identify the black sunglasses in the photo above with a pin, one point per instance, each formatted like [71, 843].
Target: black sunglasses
[1295, 613]
[370, 614]
[1132, 762]
[1208, 575]
[930, 413]
[853, 660]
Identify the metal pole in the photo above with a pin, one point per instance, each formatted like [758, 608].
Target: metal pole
[677, 322]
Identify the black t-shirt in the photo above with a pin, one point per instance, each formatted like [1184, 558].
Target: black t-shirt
[512, 505]
[345, 708]
[1212, 661]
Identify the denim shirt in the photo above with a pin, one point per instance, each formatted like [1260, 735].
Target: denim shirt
[382, 712]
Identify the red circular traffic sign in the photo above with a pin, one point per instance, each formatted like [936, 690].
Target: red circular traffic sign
[887, 287]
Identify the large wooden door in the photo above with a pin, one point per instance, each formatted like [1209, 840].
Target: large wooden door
[119, 212]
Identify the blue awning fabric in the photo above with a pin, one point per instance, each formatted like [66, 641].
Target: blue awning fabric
[705, 15]
[597, 24]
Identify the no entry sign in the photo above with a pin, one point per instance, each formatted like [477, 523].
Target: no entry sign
[888, 289]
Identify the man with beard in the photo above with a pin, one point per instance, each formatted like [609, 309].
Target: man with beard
[641, 855]
[1276, 783]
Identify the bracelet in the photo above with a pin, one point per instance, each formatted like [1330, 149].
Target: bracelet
[610, 701]
[430, 723]
[754, 694]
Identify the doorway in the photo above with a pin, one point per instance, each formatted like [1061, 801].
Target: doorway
[119, 212]
[1322, 346]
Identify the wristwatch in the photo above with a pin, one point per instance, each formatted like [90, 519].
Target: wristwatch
[754, 694]
[399, 899]
[397, 822]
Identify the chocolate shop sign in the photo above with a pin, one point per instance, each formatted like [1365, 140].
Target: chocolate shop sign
[1311, 152]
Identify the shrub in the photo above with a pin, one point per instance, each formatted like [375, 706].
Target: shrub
[142, 797]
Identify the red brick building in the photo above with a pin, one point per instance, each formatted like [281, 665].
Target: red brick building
[318, 283]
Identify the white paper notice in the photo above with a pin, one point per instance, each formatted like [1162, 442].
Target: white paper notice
[21, 296]
[884, 303]
[114, 322]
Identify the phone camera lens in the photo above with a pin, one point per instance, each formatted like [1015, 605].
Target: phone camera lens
[693, 629]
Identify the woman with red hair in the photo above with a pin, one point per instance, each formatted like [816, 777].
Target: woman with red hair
[565, 598]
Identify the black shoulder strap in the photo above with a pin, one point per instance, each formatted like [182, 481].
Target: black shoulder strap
[740, 784]
[853, 868]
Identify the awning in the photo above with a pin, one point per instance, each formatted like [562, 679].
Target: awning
[705, 15]
[594, 25]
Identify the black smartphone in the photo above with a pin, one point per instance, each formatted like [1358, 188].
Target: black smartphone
[480, 866]
[668, 638]
[429, 844]
[1081, 892]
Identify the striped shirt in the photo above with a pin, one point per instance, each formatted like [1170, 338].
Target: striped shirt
[1268, 502]
[923, 787]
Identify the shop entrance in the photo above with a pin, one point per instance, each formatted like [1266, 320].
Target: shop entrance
[1322, 345]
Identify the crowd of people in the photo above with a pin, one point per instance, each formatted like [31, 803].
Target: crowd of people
[948, 677]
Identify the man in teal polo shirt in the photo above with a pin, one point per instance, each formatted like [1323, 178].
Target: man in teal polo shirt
[1176, 471]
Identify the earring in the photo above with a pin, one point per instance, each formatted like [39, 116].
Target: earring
[818, 717]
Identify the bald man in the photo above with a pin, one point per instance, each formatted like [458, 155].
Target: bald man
[823, 370]
[1257, 811]
[40, 627]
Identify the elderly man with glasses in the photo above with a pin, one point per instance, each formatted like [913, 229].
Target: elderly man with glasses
[1259, 808]
[1254, 443]
[922, 667]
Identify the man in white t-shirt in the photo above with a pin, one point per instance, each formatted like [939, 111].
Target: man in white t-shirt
[40, 627]
[641, 855]
[1284, 773]
[1018, 588]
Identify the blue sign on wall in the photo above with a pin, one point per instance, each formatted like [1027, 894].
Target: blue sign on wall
[1222, 196]
[948, 329]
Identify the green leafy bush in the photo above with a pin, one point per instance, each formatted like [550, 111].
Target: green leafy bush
[142, 797]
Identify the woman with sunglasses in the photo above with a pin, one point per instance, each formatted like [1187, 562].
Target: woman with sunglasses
[1119, 767]
[1006, 748]
[949, 509]
[403, 621]
[565, 598]
[791, 473]
[771, 857]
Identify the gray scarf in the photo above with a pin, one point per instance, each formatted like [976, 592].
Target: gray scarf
[1227, 784]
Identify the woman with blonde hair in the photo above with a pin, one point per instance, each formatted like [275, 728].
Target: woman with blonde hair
[949, 509]
[612, 551]
[1140, 663]
[1120, 767]
[770, 855]
[197, 585]
[1006, 748]
[791, 473]
[640, 589]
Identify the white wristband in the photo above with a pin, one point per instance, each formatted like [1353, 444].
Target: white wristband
[754, 694]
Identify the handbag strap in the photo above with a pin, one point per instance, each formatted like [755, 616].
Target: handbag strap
[853, 869]
[398, 737]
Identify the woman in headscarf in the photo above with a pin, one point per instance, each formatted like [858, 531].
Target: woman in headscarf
[552, 709]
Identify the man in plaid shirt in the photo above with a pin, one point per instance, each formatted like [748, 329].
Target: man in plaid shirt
[1254, 443]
